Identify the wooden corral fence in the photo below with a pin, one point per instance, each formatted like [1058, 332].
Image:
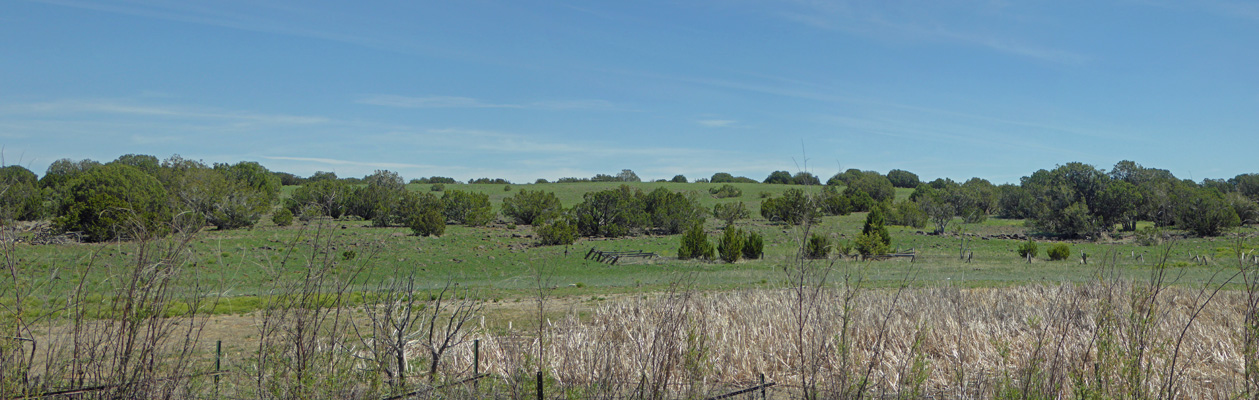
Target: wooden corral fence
[911, 254]
[612, 257]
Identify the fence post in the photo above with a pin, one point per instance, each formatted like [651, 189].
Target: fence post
[218, 365]
[476, 362]
[540, 394]
[762, 386]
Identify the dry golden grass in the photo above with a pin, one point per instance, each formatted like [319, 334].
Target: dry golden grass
[1050, 341]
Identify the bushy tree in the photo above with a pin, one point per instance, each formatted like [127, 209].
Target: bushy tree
[376, 200]
[874, 226]
[1247, 184]
[556, 231]
[218, 201]
[610, 213]
[20, 195]
[695, 244]
[471, 209]
[831, 202]
[846, 178]
[678, 179]
[1059, 252]
[627, 176]
[1119, 203]
[527, 206]
[145, 163]
[730, 245]
[282, 217]
[779, 177]
[322, 176]
[754, 248]
[938, 205]
[871, 244]
[903, 179]
[670, 212]
[907, 213]
[1247, 210]
[114, 201]
[722, 177]
[859, 200]
[1205, 212]
[731, 212]
[818, 246]
[427, 223]
[805, 178]
[422, 212]
[1028, 249]
[61, 172]
[229, 196]
[877, 186]
[331, 196]
[725, 191]
[794, 207]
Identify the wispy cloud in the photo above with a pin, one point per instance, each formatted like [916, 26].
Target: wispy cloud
[882, 19]
[390, 100]
[717, 123]
[79, 107]
[246, 16]
[355, 163]
[430, 102]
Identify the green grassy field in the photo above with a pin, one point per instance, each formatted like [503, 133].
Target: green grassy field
[503, 262]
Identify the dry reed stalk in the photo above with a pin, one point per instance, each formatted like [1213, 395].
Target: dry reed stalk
[967, 339]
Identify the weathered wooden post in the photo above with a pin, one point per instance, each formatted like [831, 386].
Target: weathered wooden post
[476, 363]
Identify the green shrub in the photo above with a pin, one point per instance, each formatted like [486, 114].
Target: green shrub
[428, 223]
[507, 188]
[527, 206]
[730, 245]
[869, 244]
[1028, 249]
[20, 195]
[556, 232]
[695, 244]
[725, 191]
[422, 212]
[833, 203]
[874, 226]
[114, 201]
[610, 213]
[471, 209]
[730, 212]
[844, 248]
[437, 187]
[1059, 251]
[671, 212]
[754, 247]
[818, 246]
[284, 217]
[330, 195]
[794, 207]
[907, 213]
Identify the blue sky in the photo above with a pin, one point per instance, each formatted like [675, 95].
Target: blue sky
[548, 89]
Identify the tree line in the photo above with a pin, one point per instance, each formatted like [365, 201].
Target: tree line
[141, 193]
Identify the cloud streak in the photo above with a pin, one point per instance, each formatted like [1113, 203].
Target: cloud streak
[389, 100]
[860, 19]
[116, 107]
